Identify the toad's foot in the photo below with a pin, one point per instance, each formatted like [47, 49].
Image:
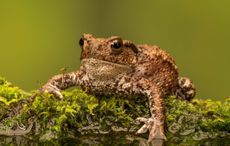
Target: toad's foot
[155, 127]
[49, 88]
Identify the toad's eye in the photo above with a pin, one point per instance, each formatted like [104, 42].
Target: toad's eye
[117, 44]
[81, 42]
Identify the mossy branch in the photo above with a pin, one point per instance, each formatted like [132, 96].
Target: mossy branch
[80, 113]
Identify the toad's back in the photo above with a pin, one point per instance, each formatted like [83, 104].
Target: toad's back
[158, 66]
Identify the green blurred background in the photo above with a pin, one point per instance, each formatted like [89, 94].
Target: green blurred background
[38, 38]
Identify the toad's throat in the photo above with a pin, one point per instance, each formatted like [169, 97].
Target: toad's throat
[103, 70]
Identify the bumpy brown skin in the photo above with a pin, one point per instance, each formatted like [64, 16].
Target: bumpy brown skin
[116, 66]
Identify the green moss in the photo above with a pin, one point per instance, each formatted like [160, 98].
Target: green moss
[80, 113]
[197, 120]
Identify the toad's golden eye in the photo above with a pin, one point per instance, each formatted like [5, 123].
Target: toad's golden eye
[117, 44]
[81, 42]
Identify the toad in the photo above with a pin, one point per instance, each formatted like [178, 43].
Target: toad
[116, 66]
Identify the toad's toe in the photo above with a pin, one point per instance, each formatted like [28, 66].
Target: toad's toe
[155, 127]
[53, 90]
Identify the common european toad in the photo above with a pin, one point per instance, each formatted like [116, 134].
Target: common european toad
[116, 66]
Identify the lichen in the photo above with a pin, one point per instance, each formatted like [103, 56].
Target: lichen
[82, 114]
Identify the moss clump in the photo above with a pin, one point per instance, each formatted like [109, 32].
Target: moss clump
[197, 120]
[82, 114]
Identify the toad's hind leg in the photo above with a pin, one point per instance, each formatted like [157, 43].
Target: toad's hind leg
[186, 89]
[155, 124]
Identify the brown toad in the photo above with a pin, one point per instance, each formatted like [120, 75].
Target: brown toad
[113, 65]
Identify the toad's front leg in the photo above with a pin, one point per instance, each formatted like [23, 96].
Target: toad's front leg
[61, 82]
[155, 124]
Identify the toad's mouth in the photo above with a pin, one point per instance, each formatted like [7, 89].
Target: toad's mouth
[103, 69]
[103, 62]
